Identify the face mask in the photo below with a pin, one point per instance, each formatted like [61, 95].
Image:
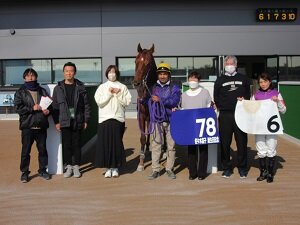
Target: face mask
[111, 76]
[230, 69]
[193, 84]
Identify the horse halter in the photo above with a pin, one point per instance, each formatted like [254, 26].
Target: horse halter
[143, 82]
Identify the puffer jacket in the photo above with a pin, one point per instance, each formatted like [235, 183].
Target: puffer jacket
[24, 107]
[61, 112]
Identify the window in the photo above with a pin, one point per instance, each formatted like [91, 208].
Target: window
[127, 70]
[13, 70]
[180, 66]
[289, 67]
[50, 70]
[88, 70]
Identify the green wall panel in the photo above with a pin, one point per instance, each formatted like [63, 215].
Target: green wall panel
[291, 94]
[91, 130]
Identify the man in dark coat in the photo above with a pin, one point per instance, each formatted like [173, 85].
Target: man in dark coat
[33, 123]
[71, 112]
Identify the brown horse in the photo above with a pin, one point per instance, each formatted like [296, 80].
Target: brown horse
[145, 77]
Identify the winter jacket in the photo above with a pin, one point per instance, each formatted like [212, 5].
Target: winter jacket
[24, 107]
[61, 112]
[169, 95]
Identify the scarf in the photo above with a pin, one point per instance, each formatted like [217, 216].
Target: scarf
[32, 85]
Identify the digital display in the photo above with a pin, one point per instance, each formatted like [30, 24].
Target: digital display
[276, 14]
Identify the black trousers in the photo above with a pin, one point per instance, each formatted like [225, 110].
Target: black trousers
[197, 160]
[28, 136]
[228, 127]
[71, 146]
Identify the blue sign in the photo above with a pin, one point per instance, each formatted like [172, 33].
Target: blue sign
[194, 127]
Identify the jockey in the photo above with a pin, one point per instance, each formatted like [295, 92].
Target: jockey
[165, 95]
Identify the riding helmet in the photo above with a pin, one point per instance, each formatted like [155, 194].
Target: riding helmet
[163, 67]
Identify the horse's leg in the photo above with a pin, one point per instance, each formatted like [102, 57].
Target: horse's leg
[143, 143]
[164, 147]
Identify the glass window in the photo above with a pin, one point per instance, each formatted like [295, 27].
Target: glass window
[180, 66]
[170, 60]
[13, 70]
[206, 66]
[289, 67]
[127, 70]
[88, 70]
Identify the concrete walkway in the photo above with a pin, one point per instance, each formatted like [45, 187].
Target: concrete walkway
[132, 199]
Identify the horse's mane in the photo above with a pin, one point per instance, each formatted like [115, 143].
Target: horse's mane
[152, 77]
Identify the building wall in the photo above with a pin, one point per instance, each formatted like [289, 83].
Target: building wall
[111, 28]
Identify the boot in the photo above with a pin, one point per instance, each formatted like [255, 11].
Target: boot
[270, 176]
[263, 169]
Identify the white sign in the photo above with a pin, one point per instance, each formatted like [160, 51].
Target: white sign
[45, 102]
[258, 117]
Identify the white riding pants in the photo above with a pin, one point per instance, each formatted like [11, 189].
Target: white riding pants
[266, 145]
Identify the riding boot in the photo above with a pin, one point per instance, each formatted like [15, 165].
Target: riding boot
[270, 176]
[263, 169]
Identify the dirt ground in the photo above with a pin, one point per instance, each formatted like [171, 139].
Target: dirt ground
[133, 199]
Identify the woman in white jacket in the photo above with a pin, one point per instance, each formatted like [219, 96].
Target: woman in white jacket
[111, 97]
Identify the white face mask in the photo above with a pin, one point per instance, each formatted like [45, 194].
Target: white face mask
[230, 69]
[111, 76]
[193, 84]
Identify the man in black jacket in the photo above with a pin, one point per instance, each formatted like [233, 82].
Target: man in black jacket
[33, 123]
[228, 89]
[71, 112]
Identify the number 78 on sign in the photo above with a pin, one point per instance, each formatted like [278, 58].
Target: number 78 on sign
[194, 127]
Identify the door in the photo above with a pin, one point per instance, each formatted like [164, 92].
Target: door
[272, 67]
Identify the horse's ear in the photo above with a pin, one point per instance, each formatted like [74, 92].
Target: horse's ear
[152, 48]
[139, 48]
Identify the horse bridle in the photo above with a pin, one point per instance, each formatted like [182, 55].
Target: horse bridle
[144, 80]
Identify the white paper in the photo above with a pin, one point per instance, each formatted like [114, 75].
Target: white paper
[45, 102]
[258, 117]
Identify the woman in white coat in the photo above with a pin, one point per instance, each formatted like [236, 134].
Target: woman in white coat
[111, 97]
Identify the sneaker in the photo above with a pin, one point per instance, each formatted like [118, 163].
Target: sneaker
[44, 174]
[153, 175]
[226, 174]
[243, 174]
[76, 172]
[69, 171]
[108, 173]
[25, 177]
[115, 172]
[171, 174]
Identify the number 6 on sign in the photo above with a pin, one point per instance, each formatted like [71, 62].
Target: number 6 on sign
[258, 117]
[194, 127]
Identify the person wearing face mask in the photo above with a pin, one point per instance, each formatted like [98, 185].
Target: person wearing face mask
[33, 123]
[112, 97]
[194, 98]
[228, 89]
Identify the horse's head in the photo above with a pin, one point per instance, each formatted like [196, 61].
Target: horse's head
[144, 65]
